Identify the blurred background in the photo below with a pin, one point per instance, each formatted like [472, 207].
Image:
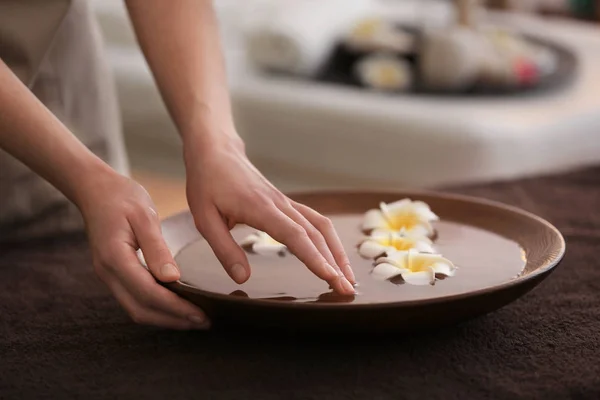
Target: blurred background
[390, 94]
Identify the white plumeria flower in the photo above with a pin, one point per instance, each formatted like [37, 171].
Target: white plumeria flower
[384, 72]
[414, 267]
[412, 218]
[377, 34]
[382, 242]
[263, 244]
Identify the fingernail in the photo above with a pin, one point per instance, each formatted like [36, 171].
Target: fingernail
[238, 272]
[198, 320]
[170, 271]
[351, 276]
[347, 286]
[333, 272]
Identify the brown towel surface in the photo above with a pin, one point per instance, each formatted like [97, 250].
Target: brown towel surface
[63, 336]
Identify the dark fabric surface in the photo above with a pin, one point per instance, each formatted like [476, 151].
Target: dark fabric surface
[63, 336]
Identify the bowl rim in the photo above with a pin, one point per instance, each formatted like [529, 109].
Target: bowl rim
[543, 269]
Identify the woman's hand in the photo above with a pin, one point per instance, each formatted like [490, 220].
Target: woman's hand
[120, 218]
[224, 189]
[182, 47]
[119, 214]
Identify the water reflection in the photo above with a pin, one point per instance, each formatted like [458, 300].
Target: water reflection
[327, 297]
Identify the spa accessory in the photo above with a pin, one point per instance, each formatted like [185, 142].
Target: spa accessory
[404, 216]
[498, 263]
[381, 243]
[451, 59]
[465, 10]
[384, 72]
[263, 244]
[460, 58]
[414, 267]
[298, 36]
[377, 34]
[511, 49]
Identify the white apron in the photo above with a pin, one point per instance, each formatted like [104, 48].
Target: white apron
[54, 47]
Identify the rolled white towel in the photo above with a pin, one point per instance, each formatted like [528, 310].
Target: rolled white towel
[297, 36]
[451, 59]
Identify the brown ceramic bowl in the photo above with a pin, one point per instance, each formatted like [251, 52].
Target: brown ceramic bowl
[502, 252]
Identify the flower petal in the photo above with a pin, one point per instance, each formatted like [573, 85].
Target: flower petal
[399, 242]
[268, 248]
[424, 247]
[422, 229]
[421, 278]
[261, 243]
[424, 211]
[371, 249]
[374, 219]
[444, 268]
[380, 233]
[397, 205]
[432, 258]
[249, 240]
[385, 271]
[393, 257]
[385, 211]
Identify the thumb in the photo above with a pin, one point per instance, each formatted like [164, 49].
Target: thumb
[158, 257]
[229, 253]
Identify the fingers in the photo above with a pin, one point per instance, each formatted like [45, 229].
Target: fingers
[334, 244]
[230, 254]
[287, 231]
[146, 228]
[146, 316]
[318, 239]
[148, 300]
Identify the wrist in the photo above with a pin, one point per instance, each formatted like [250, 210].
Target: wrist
[208, 141]
[209, 128]
[96, 181]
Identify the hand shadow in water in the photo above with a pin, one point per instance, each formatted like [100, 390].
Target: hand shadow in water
[327, 297]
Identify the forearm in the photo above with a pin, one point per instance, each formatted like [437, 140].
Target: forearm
[32, 134]
[181, 43]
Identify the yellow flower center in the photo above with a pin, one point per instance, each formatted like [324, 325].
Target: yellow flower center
[387, 75]
[406, 220]
[399, 243]
[366, 28]
[416, 265]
